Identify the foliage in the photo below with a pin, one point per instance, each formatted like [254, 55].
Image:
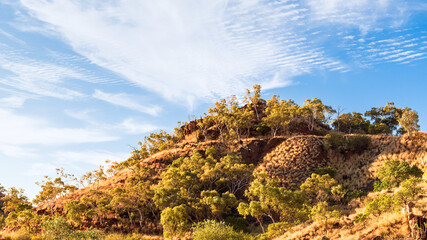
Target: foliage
[238, 223]
[379, 128]
[279, 113]
[393, 172]
[383, 203]
[358, 143]
[268, 199]
[409, 120]
[322, 212]
[274, 230]
[336, 142]
[319, 188]
[213, 230]
[342, 144]
[59, 229]
[54, 188]
[385, 119]
[361, 218]
[175, 221]
[409, 189]
[351, 123]
[207, 186]
[315, 112]
[327, 170]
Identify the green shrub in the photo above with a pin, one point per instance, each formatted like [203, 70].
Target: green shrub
[393, 172]
[119, 236]
[409, 189]
[336, 142]
[59, 229]
[340, 143]
[212, 230]
[326, 170]
[274, 230]
[358, 143]
[383, 203]
[238, 223]
[355, 194]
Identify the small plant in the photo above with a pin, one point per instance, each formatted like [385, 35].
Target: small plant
[274, 230]
[361, 218]
[212, 230]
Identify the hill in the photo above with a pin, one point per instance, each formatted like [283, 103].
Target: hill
[252, 168]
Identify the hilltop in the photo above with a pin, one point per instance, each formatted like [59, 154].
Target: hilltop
[262, 168]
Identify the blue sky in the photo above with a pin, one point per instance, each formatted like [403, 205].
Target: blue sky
[82, 81]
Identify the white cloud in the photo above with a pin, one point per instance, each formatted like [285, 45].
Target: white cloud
[37, 77]
[17, 151]
[127, 101]
[187, 50]
[366, 15]
[12, 102]
[93, 157]
[19, 130]
[131, 126]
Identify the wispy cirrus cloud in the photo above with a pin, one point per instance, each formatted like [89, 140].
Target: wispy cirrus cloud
[126, 101]
[195, 50]
[402, 47]
[20, 130]
[199, 50]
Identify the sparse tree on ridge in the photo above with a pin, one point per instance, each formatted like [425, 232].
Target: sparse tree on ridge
[255, 98]
[409, 120]
[315, 111]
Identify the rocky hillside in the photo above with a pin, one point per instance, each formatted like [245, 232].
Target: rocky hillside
[292, 159]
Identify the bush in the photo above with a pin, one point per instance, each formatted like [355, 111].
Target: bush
[358, 144]
[326, 170]
[59, 229]
[383, 203]
[274, 230]
[393, 172]
[212, 230]
[339, 143]
[336, 142]
[238, 223]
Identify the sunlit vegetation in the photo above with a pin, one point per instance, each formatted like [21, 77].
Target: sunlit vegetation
[211, 192]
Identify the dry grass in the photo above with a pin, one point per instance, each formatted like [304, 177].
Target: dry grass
[388, 225]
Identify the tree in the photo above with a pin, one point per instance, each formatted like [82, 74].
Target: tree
[393, 172]
[409, 120]
[409, 189]
[218, 204]
[314, 111]
[174, 221]
[136, 196]
[218, 114]
[387, 115]
[204, 124]
[279, 113]
[15, 201]
[238, 118]
[17, 209]
[54, 188]
[351, 122]
[322, 212]
[319, 188]
[255, 98]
